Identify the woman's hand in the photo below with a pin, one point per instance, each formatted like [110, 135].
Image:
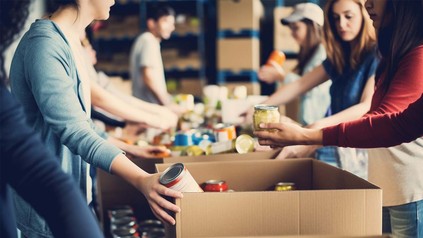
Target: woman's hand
[284, 134]
[154, 192]
[297, 151]
[148, 151]
[271, 73]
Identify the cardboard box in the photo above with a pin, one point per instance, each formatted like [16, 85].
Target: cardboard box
[329, 201]
[247, 17]
[236, 54]
[113, 191]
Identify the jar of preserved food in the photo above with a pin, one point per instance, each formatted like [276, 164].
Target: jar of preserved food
[265, 114]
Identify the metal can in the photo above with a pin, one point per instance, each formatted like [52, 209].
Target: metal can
[244, 144]
[224, 132]
[215, 186]
[177, 177]
[265, 114]
[120, 211]
[285, 186]
[276, 57]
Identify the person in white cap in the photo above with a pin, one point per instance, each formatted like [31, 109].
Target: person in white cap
[305, 22]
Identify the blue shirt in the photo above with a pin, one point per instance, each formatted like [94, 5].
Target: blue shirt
[45, 80]
[33, 172]
[347, 87]
[346, 91]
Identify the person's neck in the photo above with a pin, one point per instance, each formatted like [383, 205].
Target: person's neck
[157, 36]
[70, 21]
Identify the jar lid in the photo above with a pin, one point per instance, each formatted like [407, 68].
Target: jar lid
[265, 107]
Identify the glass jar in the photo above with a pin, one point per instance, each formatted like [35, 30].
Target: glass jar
[265, 114]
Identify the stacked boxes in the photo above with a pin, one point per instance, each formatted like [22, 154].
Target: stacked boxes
[238, 44]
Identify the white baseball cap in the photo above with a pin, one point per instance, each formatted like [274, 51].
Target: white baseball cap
[302, 11]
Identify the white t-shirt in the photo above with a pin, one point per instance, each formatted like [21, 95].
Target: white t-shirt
[146, 53]
[398, 171]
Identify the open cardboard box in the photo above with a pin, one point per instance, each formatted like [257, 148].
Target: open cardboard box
[329, 201]
[113, 191]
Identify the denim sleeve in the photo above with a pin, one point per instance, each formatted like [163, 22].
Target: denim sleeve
[48, 70]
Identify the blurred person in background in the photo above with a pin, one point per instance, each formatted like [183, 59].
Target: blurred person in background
[351, 64]
[26, 165]
[398, 84]
[306, 24]
[49, 78]
[146, 64]
[109, 100]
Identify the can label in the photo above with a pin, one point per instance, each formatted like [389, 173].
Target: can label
[285, 186]
[215, 186]
[177, 177]
[224, 132]
[276, 57]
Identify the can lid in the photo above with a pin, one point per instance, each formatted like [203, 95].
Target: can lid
[285, 184]
[171, 173]
[265, 107]
[215, 182]
[244, 144]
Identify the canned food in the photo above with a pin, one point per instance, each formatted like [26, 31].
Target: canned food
[183, 139]
[122, 211]
[125, 233]
[215, 186]
[224, 132]
[276, 57]
[186, 101]
[244, 144]
[265, 114]
[123, 222]
[285, 186]
[177, 177]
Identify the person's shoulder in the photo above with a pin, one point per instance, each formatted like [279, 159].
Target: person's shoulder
[45, 36]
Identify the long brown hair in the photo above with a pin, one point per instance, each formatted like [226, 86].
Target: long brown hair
[401, 32]
[341, 53]
[312, 42]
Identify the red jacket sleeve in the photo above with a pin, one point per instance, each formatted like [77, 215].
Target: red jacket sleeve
[380, 130]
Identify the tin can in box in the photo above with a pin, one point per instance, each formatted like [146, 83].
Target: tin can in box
[285, 186]
[215, 186]
[177, 177]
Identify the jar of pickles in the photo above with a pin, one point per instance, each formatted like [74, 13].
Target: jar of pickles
[265, 114]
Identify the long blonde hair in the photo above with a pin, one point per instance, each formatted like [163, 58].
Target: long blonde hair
[337, 50]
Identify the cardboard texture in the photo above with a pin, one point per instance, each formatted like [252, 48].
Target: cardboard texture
[113, 191]
[247, 17]
[328, 201]
[236, 54]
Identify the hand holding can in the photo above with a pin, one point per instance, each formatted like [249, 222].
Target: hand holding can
[276, 57]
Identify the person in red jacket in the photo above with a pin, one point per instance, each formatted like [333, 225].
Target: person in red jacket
[398, 84]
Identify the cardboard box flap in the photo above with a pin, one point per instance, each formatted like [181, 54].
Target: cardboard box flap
[223, 157]
[329, 177]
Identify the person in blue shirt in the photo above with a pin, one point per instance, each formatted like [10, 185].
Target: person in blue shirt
[351, 63]
[49, 77]
[26, 165]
